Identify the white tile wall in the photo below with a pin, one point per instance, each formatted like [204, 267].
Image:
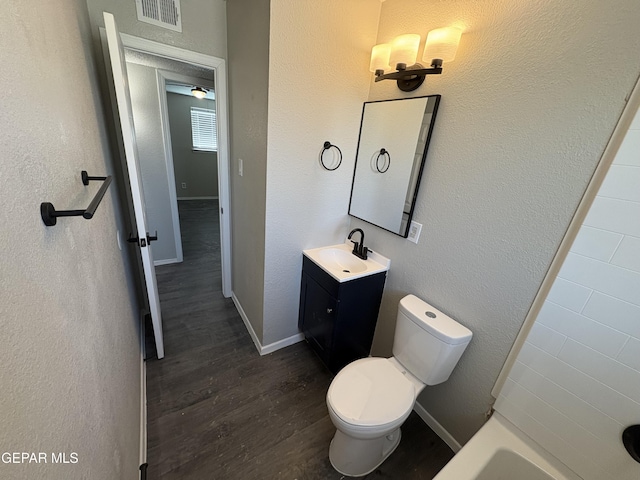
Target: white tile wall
[614, 312]
[576, 383]
[628, 253]
[630, 354]
[596, 243]
[615, 215]
[569, 295]
[604, 277]
[573, 325]
[546, 339]
[629, 153]
[622, 182]
[603, 368]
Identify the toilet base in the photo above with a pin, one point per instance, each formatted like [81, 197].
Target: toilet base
[355, 457]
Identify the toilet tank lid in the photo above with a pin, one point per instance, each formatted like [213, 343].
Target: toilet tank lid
[434, 321]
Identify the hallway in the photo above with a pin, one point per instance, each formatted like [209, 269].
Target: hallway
[218, 410]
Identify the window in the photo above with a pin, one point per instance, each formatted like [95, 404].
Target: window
[203, 129]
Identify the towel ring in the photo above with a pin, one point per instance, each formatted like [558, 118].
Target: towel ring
[328, 146]
[387, 163]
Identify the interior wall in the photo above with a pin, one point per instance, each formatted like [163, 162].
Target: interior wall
[327, 44]
[70, 356]
[248, 72]
[198, 169]
[575, 385]
[145, 104]
[523, 121]
[204, 26]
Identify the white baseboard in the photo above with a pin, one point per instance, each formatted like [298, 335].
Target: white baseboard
[285, 342]
[197, 198]
[157, 263]
[143, 394]
[266, 349]
[437, 428]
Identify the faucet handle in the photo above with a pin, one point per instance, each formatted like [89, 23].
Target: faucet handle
[356, 247]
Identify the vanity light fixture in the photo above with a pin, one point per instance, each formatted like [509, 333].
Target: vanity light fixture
[198, 92]
[440, 47]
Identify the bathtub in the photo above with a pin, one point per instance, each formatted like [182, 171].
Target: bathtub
[499, 451]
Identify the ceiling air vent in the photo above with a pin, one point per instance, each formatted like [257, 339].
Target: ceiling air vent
[163, 13]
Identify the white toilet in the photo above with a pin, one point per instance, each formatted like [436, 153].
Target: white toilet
[371, 398]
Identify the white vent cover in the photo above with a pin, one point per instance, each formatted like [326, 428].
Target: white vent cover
[163, 13]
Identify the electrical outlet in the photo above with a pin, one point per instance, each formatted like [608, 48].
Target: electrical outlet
[184, 185]
[414, 231]
[240, 167]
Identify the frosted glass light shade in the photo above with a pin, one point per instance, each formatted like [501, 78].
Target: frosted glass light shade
[404, 49]
[442, 43]
[198, 92]
[380, 57]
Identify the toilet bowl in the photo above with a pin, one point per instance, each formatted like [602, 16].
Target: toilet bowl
[368, 401]
[370, 398]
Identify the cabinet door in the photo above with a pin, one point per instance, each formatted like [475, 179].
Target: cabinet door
[319, 316]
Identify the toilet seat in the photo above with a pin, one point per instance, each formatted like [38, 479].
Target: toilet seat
[371, 392]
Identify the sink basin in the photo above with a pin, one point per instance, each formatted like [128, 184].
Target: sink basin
[341, 264]
[338, 259]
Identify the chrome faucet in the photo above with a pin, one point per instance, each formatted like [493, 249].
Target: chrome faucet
[359, 250]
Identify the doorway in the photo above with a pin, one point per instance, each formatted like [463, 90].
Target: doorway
[195, 69]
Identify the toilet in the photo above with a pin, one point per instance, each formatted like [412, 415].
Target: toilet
[370, 398]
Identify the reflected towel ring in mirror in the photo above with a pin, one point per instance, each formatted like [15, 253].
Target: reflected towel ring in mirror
[328, 146]
[386, 161]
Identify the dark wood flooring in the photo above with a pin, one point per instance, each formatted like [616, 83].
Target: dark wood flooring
[218, 410]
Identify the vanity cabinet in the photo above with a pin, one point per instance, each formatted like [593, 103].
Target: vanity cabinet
[338, 319]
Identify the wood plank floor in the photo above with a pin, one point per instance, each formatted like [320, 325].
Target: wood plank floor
[218, 410]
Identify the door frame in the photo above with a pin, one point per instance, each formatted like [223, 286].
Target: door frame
[218, 65]
[162, 77]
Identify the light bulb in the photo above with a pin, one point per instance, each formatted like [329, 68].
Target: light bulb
[198, 92]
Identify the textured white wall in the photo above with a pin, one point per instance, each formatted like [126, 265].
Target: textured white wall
[248, 22]
[576, 383]
[327, 45]
[204, 24]
[526, 111]
[70, 355]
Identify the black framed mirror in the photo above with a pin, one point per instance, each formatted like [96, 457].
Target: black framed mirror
[392, 149]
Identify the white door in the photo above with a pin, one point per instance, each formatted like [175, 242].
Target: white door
[123, 100]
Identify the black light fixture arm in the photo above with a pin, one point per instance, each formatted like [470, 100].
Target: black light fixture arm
[410, 78]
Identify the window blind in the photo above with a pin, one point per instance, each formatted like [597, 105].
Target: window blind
[203, 129]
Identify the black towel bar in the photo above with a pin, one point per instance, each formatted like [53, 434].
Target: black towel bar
[50, 214]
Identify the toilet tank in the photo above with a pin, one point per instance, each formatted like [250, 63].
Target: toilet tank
[427, 342]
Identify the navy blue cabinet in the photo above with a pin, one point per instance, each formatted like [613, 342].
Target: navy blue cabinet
[338, 319]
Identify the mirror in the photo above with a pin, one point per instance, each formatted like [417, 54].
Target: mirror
[393, 143]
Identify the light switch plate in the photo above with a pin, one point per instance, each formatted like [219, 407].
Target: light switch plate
[414, 231]
[240, 167]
